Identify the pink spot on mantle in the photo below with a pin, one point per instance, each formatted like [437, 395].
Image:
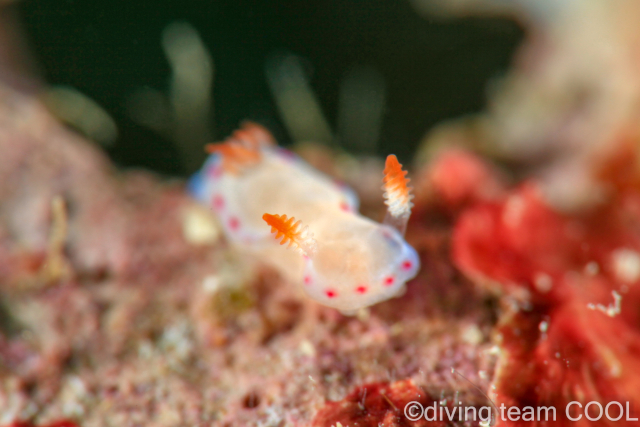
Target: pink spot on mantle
[217, 202]
[307, 280]
[361, 289]
[214, 171]
[289, 156]
[345, 207]
[407, 265]
[389, 281]
[234, 223]
[331, 293]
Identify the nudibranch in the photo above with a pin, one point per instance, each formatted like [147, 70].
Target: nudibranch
[340, 258]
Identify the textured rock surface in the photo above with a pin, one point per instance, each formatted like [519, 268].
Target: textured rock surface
[147, 327]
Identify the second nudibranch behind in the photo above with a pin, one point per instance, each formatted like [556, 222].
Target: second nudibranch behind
[340, 258]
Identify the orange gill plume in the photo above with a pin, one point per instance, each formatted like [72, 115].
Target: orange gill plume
[292, 232]
[235, 156]
[253, 135]
[397, 194]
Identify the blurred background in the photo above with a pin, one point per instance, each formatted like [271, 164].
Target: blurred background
[165, 77]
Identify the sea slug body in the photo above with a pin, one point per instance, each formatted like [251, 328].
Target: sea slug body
[340, 258]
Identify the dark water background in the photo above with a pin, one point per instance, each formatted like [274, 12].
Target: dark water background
[433, 69]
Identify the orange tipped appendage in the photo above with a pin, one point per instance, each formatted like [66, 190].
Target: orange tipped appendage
[253, 135]
[397, 193]
[292, 232]
[235, 156]
[242, 148]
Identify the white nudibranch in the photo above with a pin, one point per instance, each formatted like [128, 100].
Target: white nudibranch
[340, 258]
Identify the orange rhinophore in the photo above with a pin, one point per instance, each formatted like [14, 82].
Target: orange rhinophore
[292, 232]
[235, 156]
[397, 193]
